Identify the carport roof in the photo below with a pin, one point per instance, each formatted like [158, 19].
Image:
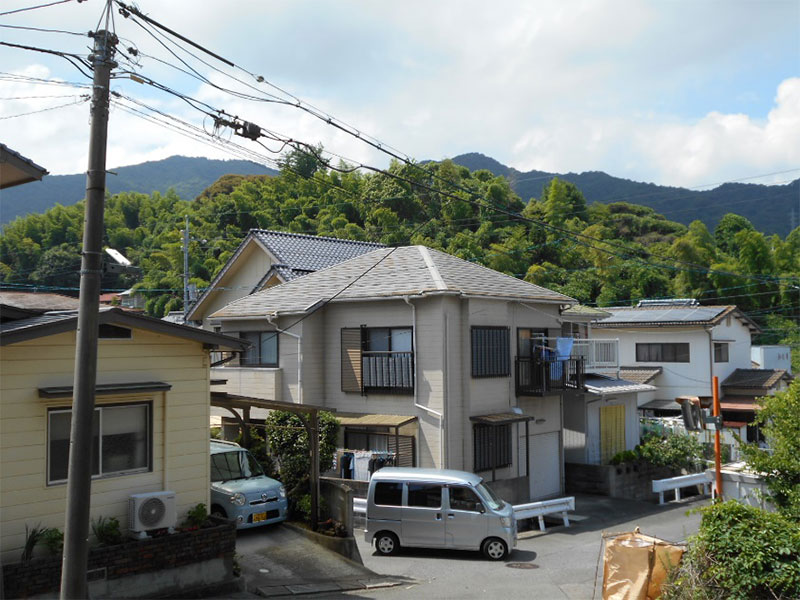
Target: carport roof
[500, 418]
[226, 400]
[376, 420]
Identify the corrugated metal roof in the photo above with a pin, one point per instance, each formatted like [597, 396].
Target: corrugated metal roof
[387, 273]
[661, 404]
[603, 385]
[500, 418]
[376, 420]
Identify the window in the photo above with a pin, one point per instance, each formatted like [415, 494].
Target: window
[122, 441]
[106, 331]
[720, 352]
[389, 493]
[463, 498]
[528, 339]
[236, 464]
[377, 359]
[665, 352]
[426, 495]
[264, 349]
[490, 352]
[492, 446]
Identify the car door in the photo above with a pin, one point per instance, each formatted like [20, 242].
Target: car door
[465, 525]
[423, 524]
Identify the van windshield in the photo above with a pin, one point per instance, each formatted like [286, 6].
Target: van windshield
[492, 500]
[237, 464]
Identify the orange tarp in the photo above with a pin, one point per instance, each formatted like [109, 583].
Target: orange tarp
[635, 566]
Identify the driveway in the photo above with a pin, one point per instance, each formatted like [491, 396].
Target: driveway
[559, 563]
[278, 560]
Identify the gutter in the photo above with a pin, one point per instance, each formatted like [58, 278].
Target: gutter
[439, 415]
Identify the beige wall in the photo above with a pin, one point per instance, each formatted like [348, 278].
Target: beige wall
[251, 265]
[180, 420]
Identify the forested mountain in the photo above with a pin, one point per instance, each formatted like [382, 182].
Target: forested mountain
[187, 176]
[603, 254]
[770, 208]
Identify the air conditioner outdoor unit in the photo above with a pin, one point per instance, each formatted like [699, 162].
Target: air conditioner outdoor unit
[154, 510]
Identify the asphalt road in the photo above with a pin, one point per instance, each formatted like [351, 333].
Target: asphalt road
[561, 563]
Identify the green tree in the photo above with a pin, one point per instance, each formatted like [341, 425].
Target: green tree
[726, 230]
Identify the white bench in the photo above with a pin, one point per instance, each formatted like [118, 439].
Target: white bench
[676, 483]
[545, 507]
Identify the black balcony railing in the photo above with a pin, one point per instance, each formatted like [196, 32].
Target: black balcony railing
[536, 376]
[388, 372]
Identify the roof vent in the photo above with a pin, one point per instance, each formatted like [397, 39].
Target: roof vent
[668, 302]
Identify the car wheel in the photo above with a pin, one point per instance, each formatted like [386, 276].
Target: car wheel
[494, 549]
[386, 543]
[218, 511]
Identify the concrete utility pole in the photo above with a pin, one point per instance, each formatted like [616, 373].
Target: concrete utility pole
[79, 478]
[186, 270]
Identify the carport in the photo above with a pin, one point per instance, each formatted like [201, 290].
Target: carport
[309, 416]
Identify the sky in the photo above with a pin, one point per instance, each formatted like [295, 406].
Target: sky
[678, 93]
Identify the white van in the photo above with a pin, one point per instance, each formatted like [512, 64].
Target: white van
[434, 508]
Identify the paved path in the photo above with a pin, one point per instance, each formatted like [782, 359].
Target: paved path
[560, 563]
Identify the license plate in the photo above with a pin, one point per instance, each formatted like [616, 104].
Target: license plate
[258, 517]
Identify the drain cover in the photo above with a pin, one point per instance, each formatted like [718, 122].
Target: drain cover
[519, 565]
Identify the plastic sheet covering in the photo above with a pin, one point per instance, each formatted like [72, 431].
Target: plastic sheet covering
[635, 566]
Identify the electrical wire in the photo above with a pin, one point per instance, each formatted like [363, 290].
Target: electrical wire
[81, 100]
[19, 10]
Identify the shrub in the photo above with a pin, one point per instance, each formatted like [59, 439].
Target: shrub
[288, 440]
[107, 531]
[32, 537]
[52, 538]
[779, 419]
[197, 516]
[671, 450]
[739, 552]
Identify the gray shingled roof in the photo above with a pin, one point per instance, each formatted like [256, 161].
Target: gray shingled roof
[37, 302]
[296, 254]
[310, 252]
[640, 374]
[388, 273]
[754, 378]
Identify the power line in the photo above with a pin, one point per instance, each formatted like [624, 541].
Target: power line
[19, 10]
[81, 100]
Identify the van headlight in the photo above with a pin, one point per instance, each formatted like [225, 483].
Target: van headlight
[505, 522]
[238, 499]
[283, 492]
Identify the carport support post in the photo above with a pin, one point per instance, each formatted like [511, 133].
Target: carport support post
[314, 441]
[75, 557]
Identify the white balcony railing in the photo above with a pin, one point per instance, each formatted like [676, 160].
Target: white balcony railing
[597, 354]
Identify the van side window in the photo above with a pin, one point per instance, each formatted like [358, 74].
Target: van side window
[389, 493]
[462, 498]
[428, 495]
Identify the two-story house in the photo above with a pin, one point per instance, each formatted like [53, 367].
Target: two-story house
[431, 358]
[266, 258]
[679, 345]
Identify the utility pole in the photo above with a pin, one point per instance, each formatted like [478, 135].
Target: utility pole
[718, 426]
[186, 270]
[79, 478]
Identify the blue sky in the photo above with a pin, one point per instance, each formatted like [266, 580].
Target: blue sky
[676, 93]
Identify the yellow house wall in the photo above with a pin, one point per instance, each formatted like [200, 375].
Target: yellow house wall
[180, 420]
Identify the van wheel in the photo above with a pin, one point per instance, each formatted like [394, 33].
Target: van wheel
[494, 549]
[218, 511]
[386, 543]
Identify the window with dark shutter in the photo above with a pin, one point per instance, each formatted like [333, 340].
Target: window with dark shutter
[663, 352]
[351, 359]
[490, 352]
[491, 446]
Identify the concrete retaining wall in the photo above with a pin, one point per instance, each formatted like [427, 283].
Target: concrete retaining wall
[630, 480]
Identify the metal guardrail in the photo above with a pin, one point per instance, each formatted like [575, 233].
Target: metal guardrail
[676, 483]
[521, 511]
[545, 507]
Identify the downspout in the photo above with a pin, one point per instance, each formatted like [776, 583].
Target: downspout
[416, 399]
[270, 319]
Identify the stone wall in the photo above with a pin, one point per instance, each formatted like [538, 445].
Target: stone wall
[338, 502]
[157, 566]
[630, 480]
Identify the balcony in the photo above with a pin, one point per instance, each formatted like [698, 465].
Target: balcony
[387, 372]
[537, 376]
[597, 354]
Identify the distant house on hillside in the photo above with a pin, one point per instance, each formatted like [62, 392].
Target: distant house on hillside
[266, 258]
